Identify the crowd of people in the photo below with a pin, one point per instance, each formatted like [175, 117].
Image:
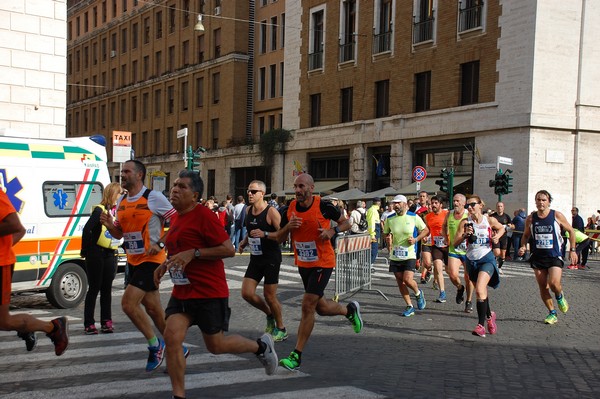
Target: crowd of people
[421, 236]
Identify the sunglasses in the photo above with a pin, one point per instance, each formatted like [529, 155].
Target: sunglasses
[253, 192]
[472, 204]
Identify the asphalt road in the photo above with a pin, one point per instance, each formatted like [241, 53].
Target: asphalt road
[432, 354]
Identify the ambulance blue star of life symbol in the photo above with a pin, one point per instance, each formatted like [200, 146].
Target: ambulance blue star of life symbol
[60, 199]
[11, 188]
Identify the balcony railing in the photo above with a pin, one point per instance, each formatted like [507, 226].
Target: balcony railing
[423, 30]
[347, 52]
[470, 18]
[382, 42]
[315, 60]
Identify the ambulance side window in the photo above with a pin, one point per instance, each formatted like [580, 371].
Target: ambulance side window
[67, 198]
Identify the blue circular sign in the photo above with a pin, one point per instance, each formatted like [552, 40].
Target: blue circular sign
[419, 173]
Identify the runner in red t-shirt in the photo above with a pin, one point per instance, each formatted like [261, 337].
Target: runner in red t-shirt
[196, 244]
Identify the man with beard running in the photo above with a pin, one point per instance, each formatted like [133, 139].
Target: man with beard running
[438, 247]
[308, 219]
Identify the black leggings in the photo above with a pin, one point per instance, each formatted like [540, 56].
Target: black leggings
[101, 267]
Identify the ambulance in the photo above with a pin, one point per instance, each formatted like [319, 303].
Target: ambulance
[53, 185]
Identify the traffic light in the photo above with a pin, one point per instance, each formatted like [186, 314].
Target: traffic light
[498, 182]
[446, 184]
[507, 182]
[193, 158]
[444, 181]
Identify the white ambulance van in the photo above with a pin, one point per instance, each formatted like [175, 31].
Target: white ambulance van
[53, 185]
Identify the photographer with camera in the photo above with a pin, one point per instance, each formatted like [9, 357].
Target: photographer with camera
[481, 232]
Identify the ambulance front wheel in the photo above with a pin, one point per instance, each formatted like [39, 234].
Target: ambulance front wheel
[69, 286]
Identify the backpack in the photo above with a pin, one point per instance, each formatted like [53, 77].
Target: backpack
[362, 223]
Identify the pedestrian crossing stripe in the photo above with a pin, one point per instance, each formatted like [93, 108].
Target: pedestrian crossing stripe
[329, 393]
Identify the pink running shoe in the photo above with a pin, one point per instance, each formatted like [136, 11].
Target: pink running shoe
[491, 324]
[479, 330]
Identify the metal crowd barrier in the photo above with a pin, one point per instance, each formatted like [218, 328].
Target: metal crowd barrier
[353, 265]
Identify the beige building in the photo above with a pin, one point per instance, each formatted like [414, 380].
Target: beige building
[32, 68]
[441, 84]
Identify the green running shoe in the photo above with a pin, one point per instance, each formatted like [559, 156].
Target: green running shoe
[551, 318]
[354, 316]
[292, 362]
[270, 325]
[563, 305]
[279, 335]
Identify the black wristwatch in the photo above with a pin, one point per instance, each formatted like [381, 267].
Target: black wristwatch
[196, 253]
[160, 244]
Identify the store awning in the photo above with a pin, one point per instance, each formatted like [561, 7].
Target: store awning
[327, 186]
[348, 195]
[383, 192]
[426, 185]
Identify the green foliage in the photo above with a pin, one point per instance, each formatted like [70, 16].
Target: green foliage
[269, 144]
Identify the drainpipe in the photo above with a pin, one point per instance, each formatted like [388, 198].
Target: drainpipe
[578, 103]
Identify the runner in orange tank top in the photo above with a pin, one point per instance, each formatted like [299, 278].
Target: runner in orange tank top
[439, 245]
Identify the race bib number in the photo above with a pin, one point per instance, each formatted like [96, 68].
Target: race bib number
[307, 251]
[255, 247]
[400, 252]
[462, 246]
[133, 243]
[178, 276]
[544, 241]
[439, 241]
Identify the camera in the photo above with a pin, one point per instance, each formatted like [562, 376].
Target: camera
[471, 238]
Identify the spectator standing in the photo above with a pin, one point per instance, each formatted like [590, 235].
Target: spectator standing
[239, 228]
[99, 249]
[577, 220]
[519, 226]
[374, 227]
[356, 216]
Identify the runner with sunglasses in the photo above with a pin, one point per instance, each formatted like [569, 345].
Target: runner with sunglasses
[480, 232]
[265, 258]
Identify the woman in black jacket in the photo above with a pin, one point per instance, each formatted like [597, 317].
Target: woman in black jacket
[98, 248]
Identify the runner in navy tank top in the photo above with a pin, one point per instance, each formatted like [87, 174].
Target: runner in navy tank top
[543, 227]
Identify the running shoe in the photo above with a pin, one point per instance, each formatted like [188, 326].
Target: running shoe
[581, 267]
[186, 351]
[428, 276]
[91, 330]
[491, 324]
[442, 297]
[292, 362]
[30, 340]
[269, 357]
[421, 302]
[479, 330]
[468, 307]
[279, 335]
[424, 276]
[60, 335]
[572, 267]
[563, 305]
[354, 316]
[155, 355]
[409, 311]
[551, 318]
[107, 327]
[435, 285]
[270, 325]
[460, 294]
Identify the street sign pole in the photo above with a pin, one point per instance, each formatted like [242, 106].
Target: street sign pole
[183, 133]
